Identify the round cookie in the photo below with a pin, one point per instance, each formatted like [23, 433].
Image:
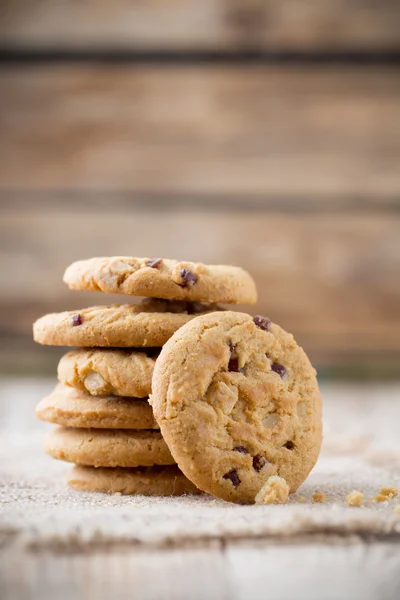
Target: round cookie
[108, 371]
[237, 401]
[162, 278]
[147, 481]
[127, 325]
[74, 408]
[108, 447]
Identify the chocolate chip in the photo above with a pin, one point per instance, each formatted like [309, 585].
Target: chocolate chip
[241, 449]
[233, 366]
[262, 322]
[233, 477]
[76, 320]
[258, 462]
[289, 445]
[280, 369]
[188, 278]
[154, 263]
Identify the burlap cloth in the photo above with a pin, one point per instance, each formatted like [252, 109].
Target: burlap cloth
[361, 451]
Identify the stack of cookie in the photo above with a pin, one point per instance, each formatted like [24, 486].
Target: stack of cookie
[105, 423]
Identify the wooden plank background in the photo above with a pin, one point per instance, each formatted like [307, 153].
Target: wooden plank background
[275, 25]
[264, 130]
[288, 166]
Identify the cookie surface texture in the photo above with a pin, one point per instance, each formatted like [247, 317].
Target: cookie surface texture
[237, 401]
[108, 447]
[148, 481]
[163, 278]
[102, 372]
[127, 325]
[75, 408]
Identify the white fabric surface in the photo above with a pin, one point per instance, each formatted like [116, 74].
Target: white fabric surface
[360, 451]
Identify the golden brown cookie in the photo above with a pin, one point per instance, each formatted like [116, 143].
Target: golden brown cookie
[127, 325]
[237, 401]
[148, 481]
[162, 278]
[75, 408]
[108, 447]
[108, 371]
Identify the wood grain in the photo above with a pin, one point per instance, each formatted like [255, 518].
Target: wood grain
[356, 570]
[319, 25]
[319, 132]
[330, 278]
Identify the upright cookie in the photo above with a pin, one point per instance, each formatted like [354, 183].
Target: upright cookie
[237, 401]
[162, 278]
[108, 371]
[127, 325]
[108, 447]
[70, 407]
[148, 481]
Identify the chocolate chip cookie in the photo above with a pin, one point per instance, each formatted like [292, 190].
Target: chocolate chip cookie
[75, 408]
[147, 481]
[108, 447]
[163, 278]
[102, 372]
[237, 401]
[127, 325]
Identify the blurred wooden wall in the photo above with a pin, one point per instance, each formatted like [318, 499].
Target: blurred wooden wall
[263, 133]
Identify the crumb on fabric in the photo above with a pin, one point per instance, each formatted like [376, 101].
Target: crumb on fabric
[319, 497]
[381, 498]
[275, 491]
[355, 498]
[386, 493]
[389, 491]
[117, 494]
[301, 499]
[397, 509]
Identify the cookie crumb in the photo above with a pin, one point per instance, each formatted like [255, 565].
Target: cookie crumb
[319, 497]
[355, 498]
[117, 494]
[386, 493]
[301, 499]
[381, 498]
[397, 509]
[275, 491]
[389, 492]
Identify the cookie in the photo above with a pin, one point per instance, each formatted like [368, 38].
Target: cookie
[108, 371]
[148, 481]
[108, 447]
[237, 401]
[127, 325]
[74, 408]
[162, 278]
